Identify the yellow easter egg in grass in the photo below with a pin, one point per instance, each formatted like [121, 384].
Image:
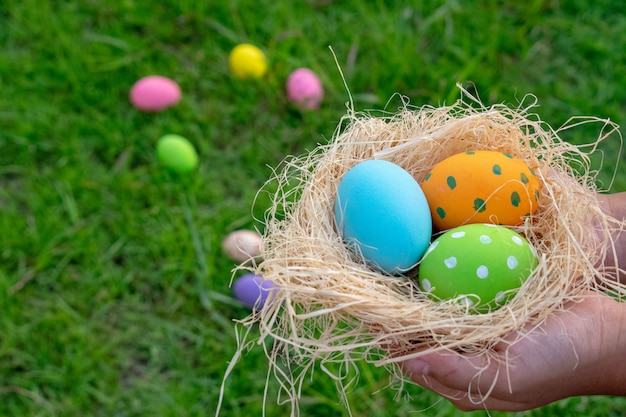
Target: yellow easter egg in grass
[247, 62]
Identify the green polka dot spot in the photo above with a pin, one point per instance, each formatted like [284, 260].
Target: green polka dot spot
[479, 205]
[515, 199]
[536, 195]
[496, 169]
[524, 178]
[481, 263]
[441, 213]
[451, 182]
[428, 176]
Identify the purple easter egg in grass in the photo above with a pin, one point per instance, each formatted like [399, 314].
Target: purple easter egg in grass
[252, 290]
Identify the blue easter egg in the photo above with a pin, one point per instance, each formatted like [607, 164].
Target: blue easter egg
[382, 213]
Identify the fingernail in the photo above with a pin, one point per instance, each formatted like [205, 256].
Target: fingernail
[418, 367]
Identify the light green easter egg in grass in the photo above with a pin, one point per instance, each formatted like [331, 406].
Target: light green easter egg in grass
[176, 153]
[480, 265]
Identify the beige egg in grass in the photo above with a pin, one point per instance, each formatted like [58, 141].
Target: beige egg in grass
[242, 245]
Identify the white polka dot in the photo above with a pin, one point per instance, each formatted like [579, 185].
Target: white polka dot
[517, 240]
[499, 297]
[458, 235]
[466, 301]
[511, 262]
[482, 272]
[426, 285]
[485, 239]
[450, 262]
[431, 247]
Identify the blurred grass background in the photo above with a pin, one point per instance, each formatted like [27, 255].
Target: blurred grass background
[114, 292]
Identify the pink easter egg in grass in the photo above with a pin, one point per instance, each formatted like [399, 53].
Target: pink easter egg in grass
[304, 89]
[154, 93]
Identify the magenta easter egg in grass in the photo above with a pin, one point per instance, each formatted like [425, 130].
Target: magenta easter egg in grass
[155, 93]
[304, 89]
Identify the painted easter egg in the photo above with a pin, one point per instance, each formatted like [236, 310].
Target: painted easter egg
[480, 264]
[480, 187]
[382, 214]
[241, 245]
[176, 153]
[252, 290]
[304, 89]
[247, 61]
[154, 93]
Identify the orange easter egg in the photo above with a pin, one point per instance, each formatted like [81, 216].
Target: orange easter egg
[480, 187]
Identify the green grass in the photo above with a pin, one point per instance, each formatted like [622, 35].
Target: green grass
[113, 288]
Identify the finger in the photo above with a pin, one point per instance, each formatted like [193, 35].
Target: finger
[474, 374]
[464, 399]
[431, 384]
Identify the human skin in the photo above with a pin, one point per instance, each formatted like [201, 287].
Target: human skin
[579, 350]
[615, 206]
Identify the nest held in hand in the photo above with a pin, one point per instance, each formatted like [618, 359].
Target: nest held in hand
[331, 306]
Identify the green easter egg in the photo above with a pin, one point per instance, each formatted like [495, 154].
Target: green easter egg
[176, 153]
[480, 265]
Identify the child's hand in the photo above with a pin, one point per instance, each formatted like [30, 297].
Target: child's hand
[578, 351]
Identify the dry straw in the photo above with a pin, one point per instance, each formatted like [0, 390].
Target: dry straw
[330, 307]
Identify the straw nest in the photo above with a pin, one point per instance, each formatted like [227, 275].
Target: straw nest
[331, 307]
